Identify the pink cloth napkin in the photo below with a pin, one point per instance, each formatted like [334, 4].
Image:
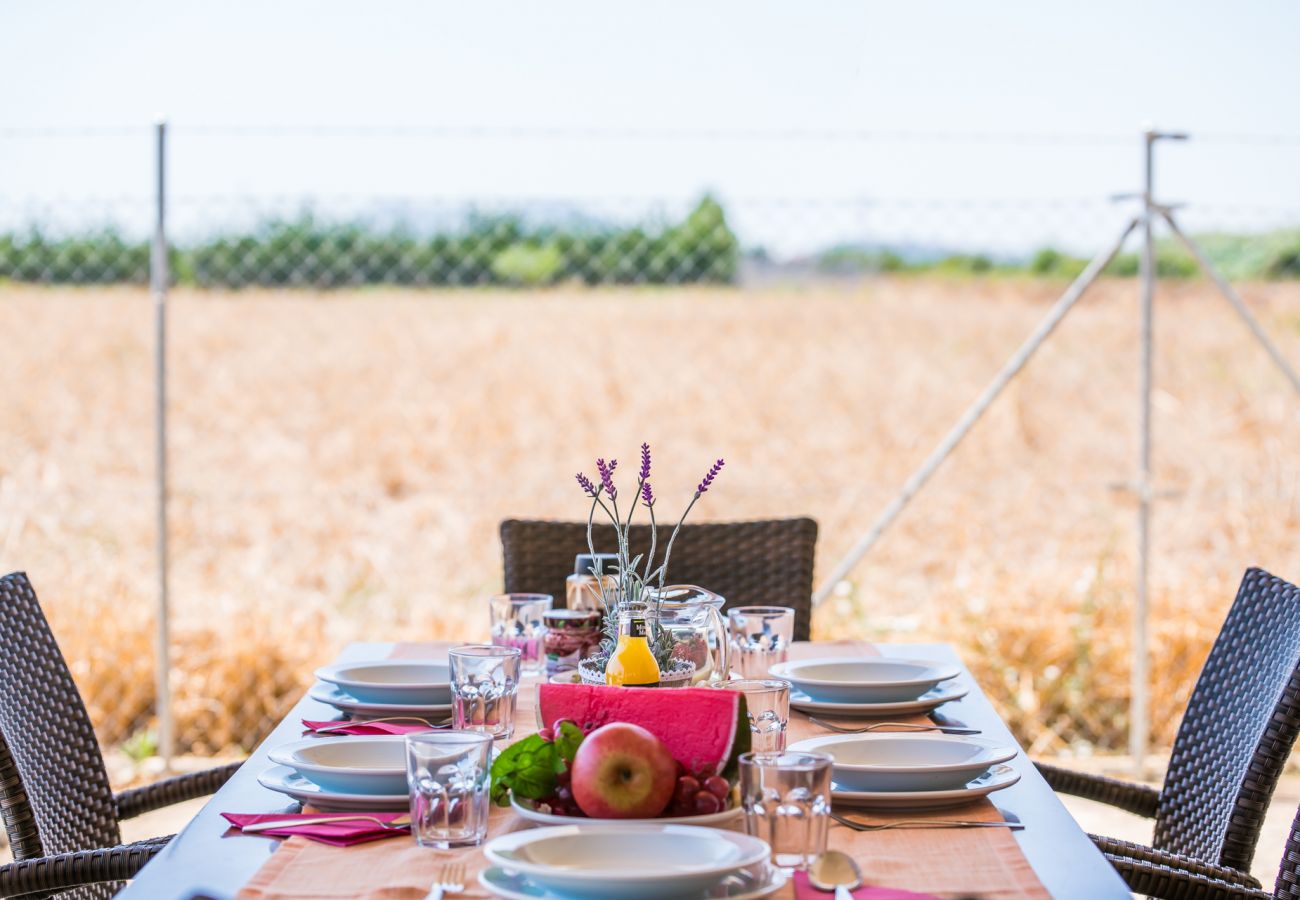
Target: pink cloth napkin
[805, 891]
[366, 727]
[338, 834]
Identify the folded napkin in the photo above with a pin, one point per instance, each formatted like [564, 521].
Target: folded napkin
[805, 891]
[338, 834]
[366, 727]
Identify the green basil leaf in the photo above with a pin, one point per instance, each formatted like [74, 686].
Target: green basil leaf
[528, 768]
[568, 741]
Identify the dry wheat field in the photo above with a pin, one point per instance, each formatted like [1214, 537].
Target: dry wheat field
[340, 462]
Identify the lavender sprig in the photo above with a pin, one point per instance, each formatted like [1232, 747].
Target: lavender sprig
[709, 476]
[607, 477]
[647, 494]
[645, 461]
[585, 483]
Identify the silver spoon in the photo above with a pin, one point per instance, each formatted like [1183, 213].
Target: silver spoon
[835, 871]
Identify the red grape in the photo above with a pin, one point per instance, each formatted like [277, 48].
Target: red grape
[546, 734]
[718, 787]
[687, 787]
[563, 778]
[564, 795]
[706, 803]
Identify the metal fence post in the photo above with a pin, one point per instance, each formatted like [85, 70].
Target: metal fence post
[1137, 733]
[158, 278]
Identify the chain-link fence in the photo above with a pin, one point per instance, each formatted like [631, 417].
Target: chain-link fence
[332, 506]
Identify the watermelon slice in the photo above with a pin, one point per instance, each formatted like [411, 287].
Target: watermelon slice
[702, 728]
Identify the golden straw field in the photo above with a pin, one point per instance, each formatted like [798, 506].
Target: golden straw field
[340, 463]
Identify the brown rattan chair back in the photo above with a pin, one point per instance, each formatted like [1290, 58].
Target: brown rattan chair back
[54, 790]
[1238, 730]
[762, 563]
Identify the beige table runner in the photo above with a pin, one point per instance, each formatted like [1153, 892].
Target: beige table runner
[983, 862]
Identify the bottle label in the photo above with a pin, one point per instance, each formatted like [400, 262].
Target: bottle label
[637, 628]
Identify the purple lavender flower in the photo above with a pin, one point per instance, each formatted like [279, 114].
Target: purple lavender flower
[647, 494]
[607, 477]
[709, 476]
[645, 461]
[585, 483]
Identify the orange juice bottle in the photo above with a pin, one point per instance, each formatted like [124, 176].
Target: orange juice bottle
[632, 664]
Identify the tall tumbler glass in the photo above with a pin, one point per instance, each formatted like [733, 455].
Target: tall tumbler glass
[768, 704]
[517, 621]
[447, 772]
[786, 797]
[484, 685]
[760, 637]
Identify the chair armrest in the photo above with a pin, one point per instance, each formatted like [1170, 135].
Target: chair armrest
[172, 790]
[67, 870]
[1134, 798]
[1113, 847]
[1155, 879]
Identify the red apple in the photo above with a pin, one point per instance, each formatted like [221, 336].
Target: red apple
[622, 771]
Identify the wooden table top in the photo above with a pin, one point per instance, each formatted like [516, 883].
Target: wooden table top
[201, 861]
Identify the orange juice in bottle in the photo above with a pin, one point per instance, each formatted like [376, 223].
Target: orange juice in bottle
[632, 664]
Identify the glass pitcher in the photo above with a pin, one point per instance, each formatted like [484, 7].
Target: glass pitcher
[692, 617]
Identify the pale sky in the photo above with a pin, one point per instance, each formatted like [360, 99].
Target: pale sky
[747, 68]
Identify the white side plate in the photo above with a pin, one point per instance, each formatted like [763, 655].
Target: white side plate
[907, 762]
[996, 780]
[361, 764]
[332, 696]
[747, 885]
[864, 679]
[927, 702]
[391, 681]
[286, 781]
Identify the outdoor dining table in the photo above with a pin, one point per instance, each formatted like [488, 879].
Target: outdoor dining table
[209, 859]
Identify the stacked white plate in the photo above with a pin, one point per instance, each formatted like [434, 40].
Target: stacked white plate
[629, 862]
[869, 687]
[912, 771]
[386, 688]
[345, 773]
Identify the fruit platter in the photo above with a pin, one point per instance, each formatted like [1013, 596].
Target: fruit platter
[617, 754]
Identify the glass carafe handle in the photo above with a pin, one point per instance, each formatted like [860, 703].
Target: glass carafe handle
[722, 657]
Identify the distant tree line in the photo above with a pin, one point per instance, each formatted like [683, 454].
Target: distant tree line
[487, 250]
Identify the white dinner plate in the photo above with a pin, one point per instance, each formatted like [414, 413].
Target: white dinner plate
[626, 862]
[401, 682]
[750, 884]
[864, 680]
[999, 778]
[528, 809]
[333, 696]
[286, 781]
[354, 764]
[927, 702]
[906, 762]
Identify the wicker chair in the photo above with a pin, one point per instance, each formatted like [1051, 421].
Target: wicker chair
[1182, 877]
[1239, 727]
[58, 809]
[763, 563]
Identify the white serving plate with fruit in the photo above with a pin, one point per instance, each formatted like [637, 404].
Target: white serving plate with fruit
[535, 811]
[626, 862]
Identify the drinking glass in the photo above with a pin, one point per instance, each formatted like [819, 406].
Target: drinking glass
[484, 684]
[517, 622]
[768, 702]
[447, 772]
[786, 797]
[760, 637]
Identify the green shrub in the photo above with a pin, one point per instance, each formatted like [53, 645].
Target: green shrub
[527, 265]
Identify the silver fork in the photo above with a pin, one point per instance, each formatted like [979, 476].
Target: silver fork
[923, 823]
[443, 724]
[906, 726]
[450, 880]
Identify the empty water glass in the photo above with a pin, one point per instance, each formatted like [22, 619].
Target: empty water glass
[484, 684]
[517, 621]
[768, 703]
[447, 772]
[786, 797]
[760, 637]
